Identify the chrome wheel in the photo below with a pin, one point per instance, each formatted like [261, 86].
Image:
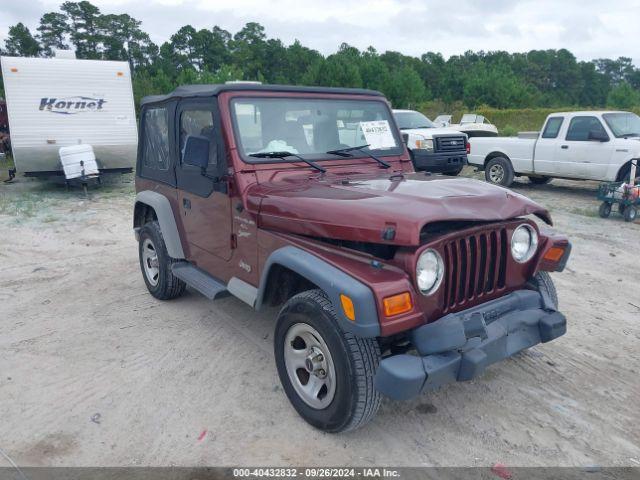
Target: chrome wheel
[496, 173]
[150, 262]
[309, 366]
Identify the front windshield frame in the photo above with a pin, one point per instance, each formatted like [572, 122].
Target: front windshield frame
[427, 124]
[608, 118]
[315, 157]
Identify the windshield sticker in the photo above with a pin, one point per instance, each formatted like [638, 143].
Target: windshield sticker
[378, 134]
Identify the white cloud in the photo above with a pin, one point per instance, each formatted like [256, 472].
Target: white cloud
[588, 28]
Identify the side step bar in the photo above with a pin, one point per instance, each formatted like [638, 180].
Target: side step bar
[200, 280]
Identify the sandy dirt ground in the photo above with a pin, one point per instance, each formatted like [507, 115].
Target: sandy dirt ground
[96, 372]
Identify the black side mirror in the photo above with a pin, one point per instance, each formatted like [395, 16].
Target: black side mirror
[598, 136]
[405, 138]
[196, 152]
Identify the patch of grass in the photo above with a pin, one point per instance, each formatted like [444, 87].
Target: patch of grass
[20, 205]
[585, 212]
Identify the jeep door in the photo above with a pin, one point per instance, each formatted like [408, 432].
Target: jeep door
[202, 196]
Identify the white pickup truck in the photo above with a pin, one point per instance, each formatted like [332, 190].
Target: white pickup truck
[575, 145]
[432, 149]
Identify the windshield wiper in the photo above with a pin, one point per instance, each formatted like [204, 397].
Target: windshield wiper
[287, 154]
[344, 152]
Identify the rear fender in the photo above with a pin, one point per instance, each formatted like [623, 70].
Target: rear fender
[167, 221]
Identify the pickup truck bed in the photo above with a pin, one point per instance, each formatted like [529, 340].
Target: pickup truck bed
[573, 145]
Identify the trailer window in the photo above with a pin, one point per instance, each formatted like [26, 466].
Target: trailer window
[552, 128]
[156, 139]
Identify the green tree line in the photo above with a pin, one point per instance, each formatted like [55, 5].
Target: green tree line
[535, 79]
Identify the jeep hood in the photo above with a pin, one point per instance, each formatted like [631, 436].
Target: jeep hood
[361, 209]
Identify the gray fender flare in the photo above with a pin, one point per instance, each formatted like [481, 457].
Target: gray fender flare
[167, 221]
[333, 282]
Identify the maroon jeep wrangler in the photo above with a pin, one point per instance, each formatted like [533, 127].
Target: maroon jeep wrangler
[391, 282]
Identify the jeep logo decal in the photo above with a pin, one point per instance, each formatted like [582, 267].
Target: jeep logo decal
[71, 105]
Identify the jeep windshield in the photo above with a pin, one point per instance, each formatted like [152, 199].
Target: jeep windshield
[313, 128]
[411, 120]
[623, 124]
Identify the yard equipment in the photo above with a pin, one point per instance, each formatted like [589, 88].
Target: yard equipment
[625, 195]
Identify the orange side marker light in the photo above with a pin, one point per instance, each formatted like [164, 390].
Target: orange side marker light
[397, 304]
[347, 307]
[554, 254]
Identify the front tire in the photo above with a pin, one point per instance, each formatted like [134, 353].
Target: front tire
[326, 373]
[605, 209]
[544, 282]
[499, 171]
[625, 174]
[155, 264]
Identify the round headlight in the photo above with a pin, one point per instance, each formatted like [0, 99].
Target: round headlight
[429, 271]
[524, 243]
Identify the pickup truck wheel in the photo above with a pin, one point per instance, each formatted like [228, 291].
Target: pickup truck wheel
[499, 171]
[605, 209]
[625, 174]
[540, 180]
[326, 373]
[155, 264]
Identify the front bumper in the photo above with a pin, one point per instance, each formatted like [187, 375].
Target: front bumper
[461, 345]
[438, 162]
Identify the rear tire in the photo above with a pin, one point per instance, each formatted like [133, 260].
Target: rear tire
[605, 209]
[630, 213]
[336, 393]
[155, 264]
[540, 180]
[499, 171]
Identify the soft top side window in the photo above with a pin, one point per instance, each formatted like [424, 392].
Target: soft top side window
[198, 123]
[552, 128]
[155, 152]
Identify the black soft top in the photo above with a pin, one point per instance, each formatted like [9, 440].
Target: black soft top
[188, 91]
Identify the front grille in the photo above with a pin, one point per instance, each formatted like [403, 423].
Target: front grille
[450, 144]
[475, 266]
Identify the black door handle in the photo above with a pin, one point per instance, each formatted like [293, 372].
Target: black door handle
[564, 147]
[186, 203]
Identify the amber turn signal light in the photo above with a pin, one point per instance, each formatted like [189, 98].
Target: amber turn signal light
[554, 254]
[347, 307]
[397, 304]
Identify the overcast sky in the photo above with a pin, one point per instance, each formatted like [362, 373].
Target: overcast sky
[589, 28]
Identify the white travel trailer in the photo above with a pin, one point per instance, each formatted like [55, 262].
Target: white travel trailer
[60, 102]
